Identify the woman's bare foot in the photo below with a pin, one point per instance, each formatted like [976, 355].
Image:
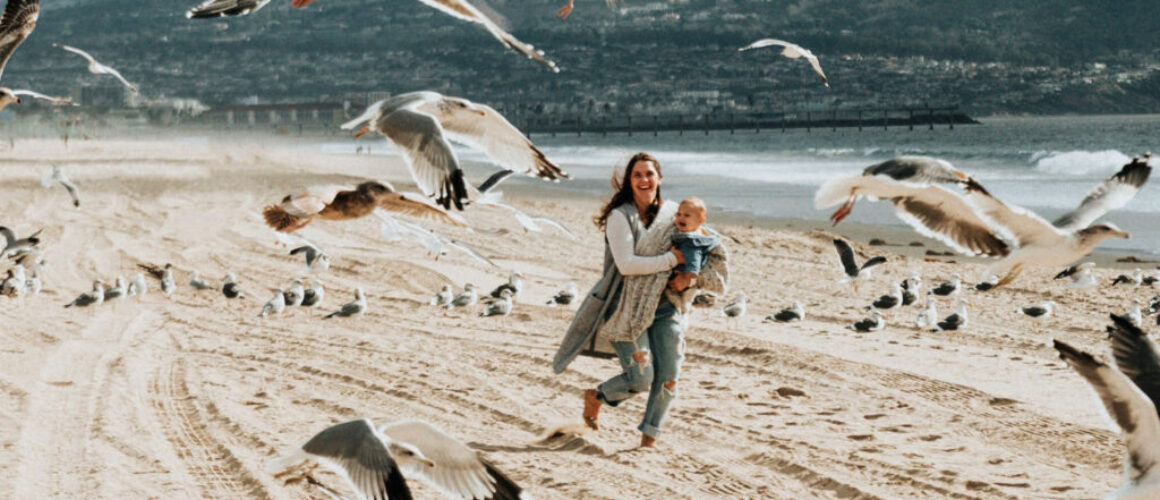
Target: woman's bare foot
[591, 409]
[647, 441]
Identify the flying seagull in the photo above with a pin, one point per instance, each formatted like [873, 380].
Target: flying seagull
[978, 223]
[386, 457]
[219, 8]
[97, 68]
[14, 245]
[792, 51]
[913, 185]
[17, 23]
[295, 211]
[421, 124]
[53, 100]
[465, 11]
[57, 176]
[1128, 397]
[317, 260]
[850, 266]
[489, 195]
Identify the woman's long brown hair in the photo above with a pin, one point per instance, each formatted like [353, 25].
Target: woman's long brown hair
[623, 193]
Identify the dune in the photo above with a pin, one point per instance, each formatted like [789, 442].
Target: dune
[188, 397]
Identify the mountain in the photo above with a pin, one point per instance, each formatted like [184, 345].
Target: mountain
[1038, 56]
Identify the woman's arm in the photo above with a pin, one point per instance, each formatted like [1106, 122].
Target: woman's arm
[623, 248]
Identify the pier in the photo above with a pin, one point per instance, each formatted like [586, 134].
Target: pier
[735, 121]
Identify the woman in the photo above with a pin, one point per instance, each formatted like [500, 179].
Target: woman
[646, 332]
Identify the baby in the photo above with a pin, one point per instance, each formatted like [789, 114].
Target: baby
[695, 244]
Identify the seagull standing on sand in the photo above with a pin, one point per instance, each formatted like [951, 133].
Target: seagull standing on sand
[986, 284]
[198, 283]
[14, 245]
[1134, 280]
[1081, 276]
[795, 313]
[90, 298]
[391, 454]
[97, 68]
[515, 285]
[499, 307]
[57, 176]
[929, 315]
[420, 125]
[850, 267]
[466, 298]
[19, 20]
[443, 297]
[956, 321]
[16, 282]
[34, 283]
[294, 295]
[275, 305]
[871, 324]
[138, 287]
[230, 287]
[117, 291]
[565, 296]
[313, 296]
[1039, 310]
[1129, 396]
[357, 307]
[737, 308]
[911, 288]
[792, 51]
[164, 274]
[465, 11]
[949, 288]
[889, 301]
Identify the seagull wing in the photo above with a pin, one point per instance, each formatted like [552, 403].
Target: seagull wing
[72, 191]
[764, 42]
[109, 70]
[1014, 223]
[1136, 356]
[459, 471]
[873, 262]
[462, 247]
[934, 211]
[817, 67]
[1132, 411]
[556, 224]
[369, 114]
[361, 455]
[494, 180]
[37, 95]
[417, 205]
[18, 22]
[917, 169]
[483, 128]
[1065, 273]
[433, 164]
[846, 255]
[463, 10]
[217, 8]
[1113, 193]
[77, 51]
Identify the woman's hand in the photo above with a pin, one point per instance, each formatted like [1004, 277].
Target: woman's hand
[680, 256]
[681, 281]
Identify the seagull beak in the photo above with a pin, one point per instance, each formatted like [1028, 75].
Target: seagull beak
[429, 464]
[362, 131]
[961, 176]
[1123, 234]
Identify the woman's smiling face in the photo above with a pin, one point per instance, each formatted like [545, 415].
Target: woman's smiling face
[645, 181]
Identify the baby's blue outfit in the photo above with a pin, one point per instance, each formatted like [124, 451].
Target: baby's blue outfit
[696, 248]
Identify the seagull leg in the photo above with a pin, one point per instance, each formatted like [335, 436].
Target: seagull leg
[844, 211]
[565, 11]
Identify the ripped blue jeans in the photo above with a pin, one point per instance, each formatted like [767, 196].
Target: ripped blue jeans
[665, 342]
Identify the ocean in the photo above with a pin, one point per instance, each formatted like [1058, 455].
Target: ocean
[1044, 164]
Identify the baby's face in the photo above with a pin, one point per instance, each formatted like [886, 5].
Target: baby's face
[689, 217]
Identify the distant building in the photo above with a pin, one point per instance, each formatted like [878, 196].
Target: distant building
[275, 114]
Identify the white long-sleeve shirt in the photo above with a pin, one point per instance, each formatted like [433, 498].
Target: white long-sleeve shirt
[623, 248]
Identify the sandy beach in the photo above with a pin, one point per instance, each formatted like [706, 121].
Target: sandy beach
[188, 397]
